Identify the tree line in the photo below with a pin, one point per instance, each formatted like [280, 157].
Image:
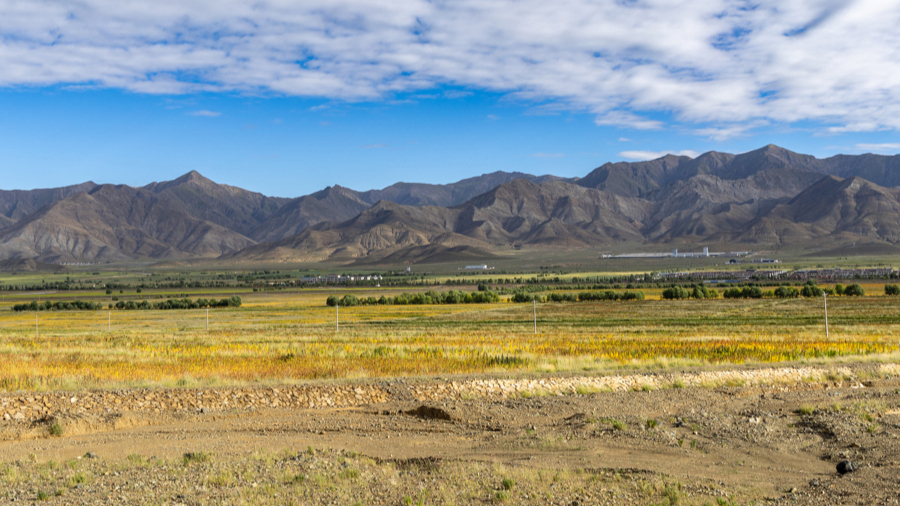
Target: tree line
[429, 297]
[130, 305]
[810, 289]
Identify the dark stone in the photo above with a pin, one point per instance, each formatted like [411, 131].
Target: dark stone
[90, 455]
[430, 413]
[846, 466]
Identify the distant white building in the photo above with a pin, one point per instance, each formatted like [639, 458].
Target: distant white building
[476, 267]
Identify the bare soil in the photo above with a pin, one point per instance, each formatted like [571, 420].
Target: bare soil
[692, 445]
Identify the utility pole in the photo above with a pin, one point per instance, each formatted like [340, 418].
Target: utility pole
[534, 308]
[207, 319]
[337, 317]
[35, 326]
[109, 322]
[825, 298]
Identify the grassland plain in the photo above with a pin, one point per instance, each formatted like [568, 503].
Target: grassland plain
[290, 336]
[665, 442]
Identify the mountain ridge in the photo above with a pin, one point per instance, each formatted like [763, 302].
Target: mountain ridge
[767, 197]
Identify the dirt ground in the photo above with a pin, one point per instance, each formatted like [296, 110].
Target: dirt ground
[691, 445]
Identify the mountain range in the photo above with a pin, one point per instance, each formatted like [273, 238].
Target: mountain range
[769, 197]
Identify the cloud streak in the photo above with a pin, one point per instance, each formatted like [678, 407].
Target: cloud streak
[653, 155]
[714, 65]
[888, 148]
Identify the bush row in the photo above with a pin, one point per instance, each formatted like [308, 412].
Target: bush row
[429, 297]
[591, 296]
[93, 306]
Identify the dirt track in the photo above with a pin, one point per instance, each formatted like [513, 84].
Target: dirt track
[690, 445]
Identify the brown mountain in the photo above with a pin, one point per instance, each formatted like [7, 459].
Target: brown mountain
[633, 179]
[115, 223]
[642, 179]
[228, 206]
[334, 203]
[448, 195]
[832, 211]
[881, 170]
[515, 214]
[705, 204]
[16, 204]
[766, 196]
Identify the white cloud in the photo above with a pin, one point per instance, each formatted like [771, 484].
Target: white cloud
[208, 114]
[719, 62]
[624, 139]
[886, 148]
[653, 155]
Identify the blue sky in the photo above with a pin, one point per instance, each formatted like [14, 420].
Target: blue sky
[286, 98]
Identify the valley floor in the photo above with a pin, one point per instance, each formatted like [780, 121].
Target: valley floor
[738, 436]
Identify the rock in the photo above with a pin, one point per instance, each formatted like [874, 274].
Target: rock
[90, 455]
[429, 413]
[204, 410]
[846, 466]
[814, 483]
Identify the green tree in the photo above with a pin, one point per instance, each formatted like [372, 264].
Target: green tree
[854, 290]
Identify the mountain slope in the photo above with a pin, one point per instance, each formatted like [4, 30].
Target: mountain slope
[334, 203]
[514, 214]
[447, 195]
[881, 170]
[228, 206]
[633, 179]
[841, 210]
[115, 223]
[16, 204]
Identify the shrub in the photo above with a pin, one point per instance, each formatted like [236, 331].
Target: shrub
[854, 290]
[702, 292]
[891, 289]
[675, 292]
[811, 290]
[786, 292]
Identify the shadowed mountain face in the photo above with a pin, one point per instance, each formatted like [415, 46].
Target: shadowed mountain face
[228, 206]
[448, 195]
[331, 204]
[115, 223]
[767, 197]
[16, 204]
[834, 209]
[515, 214]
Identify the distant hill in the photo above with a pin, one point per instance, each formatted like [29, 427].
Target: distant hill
[17, 204]
[334, 203]
[115, 223]
[834, 210]
[230, 207]
[767, 197]
[448, 195]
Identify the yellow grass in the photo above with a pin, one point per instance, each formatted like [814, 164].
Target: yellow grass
[286, 337]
